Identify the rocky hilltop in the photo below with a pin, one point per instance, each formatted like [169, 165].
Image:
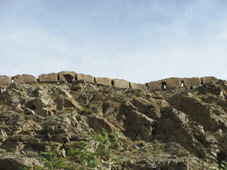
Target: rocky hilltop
[72, 124]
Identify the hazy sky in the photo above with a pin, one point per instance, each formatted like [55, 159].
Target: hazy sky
[137, 40]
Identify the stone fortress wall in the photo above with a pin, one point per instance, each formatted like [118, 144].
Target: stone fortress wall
[67, 76]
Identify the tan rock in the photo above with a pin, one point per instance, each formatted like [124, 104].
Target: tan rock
[121, 83]
[137, 86]
[155, 85]
[209, 79]
[66, 76]
[5, 80]
[52, 77]
[24, 78]
[98, 124]
[70, 102]
[103, 81]
[11, 162]
[86, 78]
[191, 82]
[172, 83]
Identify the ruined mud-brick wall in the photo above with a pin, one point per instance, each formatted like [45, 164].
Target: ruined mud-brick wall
[67, 76]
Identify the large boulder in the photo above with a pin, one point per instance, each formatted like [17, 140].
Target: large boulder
[98, 124]
[12, 162]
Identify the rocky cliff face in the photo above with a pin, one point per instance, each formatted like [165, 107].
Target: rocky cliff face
[180, 129]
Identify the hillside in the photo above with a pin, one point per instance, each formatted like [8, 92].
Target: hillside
[77, 124]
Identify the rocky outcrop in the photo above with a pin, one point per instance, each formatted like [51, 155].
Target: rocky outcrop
[170, 128]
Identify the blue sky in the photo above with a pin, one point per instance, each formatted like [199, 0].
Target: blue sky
[136, 40]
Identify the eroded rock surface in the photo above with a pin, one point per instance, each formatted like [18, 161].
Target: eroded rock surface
[180, 129]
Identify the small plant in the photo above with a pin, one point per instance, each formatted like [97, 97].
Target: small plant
[82, 155]
[52, 159]
[106, 143]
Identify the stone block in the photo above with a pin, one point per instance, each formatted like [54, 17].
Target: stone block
[4, 80]
[86, 78]
[155, 85]
[51, 77]
[209, 79]
[67, 76]
[192, 82]
[121, 83]
[103, 81]
[172, 83]
[137, 86]
[24, 78]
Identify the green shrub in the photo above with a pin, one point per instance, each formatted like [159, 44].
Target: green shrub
[81, 155]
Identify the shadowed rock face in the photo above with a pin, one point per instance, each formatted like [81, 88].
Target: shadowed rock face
[176, 128]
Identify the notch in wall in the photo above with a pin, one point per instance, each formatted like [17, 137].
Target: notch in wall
[146, 86]
[163, 85]
[182, 83]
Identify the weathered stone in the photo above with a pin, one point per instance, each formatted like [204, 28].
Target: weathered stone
[172, 83]
[24, 78]
[66, 102]
[99, 123]
[121, 83]
[136, 124]
[137, 86]
[103, 81]
[77, 86]
[39, 106]
[52, 77]
[69, 102]
[209, 79]
[12, 162]
[155, 85]
[5, 80]
[86, 78]
[67, 76]
[192, 82]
